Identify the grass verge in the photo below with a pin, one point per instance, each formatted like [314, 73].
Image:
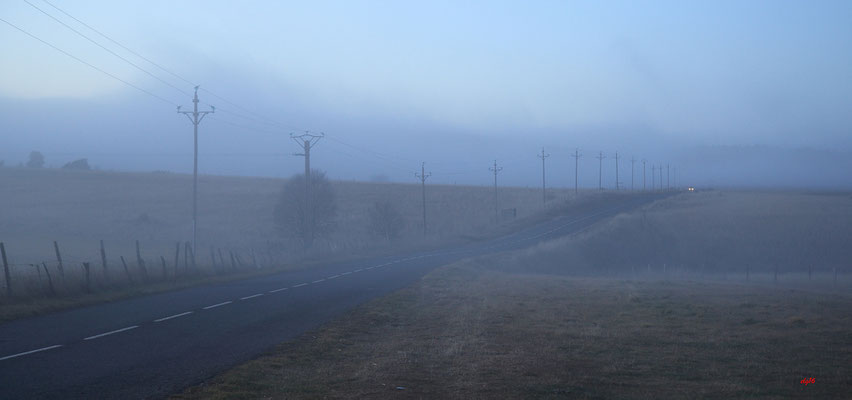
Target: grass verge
[476, 329]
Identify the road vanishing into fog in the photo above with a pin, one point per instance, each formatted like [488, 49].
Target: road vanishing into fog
[157, 345]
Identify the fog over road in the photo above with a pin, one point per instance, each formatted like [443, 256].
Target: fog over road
[156, 345]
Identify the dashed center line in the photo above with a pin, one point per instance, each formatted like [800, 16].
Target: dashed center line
[30, 352]
[318, 281]
[278, 290]
[217, 305]
[251, 297]
[300, 285]
[345, 273]
[173, 316]
[333, 276]
[358, 270]
[111, 332]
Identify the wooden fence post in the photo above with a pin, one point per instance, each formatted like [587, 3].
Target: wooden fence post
[192, 256]
[177, 258]
[59, 258]
[104, 262]
[49, 280]
[88, 278]
[126, 271]
[140, 262]
[186, 257]
[6, 272]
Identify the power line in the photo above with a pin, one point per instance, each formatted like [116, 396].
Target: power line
[121, 45]
[107, 49]
[87, 63]
[170, 72]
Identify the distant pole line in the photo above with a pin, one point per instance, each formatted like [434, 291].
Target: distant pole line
[644, 176]
[632, 165]
[495, 169]
[653, 177]
[617, 184]
[668, 178]
[195, 118]
[600, 158]
[661, 177]
[576, 156]
[422, 176]
[543, 156]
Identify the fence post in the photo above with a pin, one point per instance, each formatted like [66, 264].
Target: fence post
[140, 262]
[177, 258]
[49, 280]
[104, 262]
[6, 270]
[59, 258]
[126, 271]
[186, 257]
[233, 263]
[88, 278]
[165, 274]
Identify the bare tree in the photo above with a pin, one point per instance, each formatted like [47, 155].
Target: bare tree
[36, 160]
[306, 212]
[385, 220]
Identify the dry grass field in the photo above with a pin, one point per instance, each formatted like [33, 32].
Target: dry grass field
[716, 233]
[539, 323]
[79, 208]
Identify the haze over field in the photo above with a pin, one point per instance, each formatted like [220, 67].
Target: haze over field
[733, 93]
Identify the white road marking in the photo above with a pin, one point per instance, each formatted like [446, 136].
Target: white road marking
[30, 352]
[173, 316]
[318, 281]
[217, 305]
[111, 332]
[345, 273]
[251, 297]
[369, 267]
[300, 285]
[278, 290]
[333, 276]
[358, 270]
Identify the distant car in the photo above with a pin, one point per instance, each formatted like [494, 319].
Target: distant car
[691, 189]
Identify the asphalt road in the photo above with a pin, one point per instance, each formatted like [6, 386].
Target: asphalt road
[153, 346]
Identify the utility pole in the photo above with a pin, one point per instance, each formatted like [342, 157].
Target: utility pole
[644, 175]
[307, 140]
[496, 169]
[195, 117]
[600, 158]
[576, 169]
[423, 175]
[616, 171]
[632, 164]
[668, 178]
[543, 156]
[661, 177]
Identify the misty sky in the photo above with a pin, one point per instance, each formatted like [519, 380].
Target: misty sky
[734, 93]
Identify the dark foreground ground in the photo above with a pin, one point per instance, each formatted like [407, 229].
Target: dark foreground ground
[470, 330]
